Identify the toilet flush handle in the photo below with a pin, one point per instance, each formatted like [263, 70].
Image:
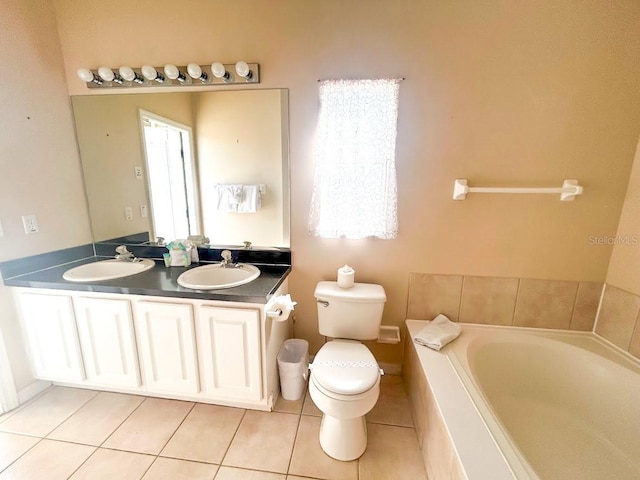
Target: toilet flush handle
[324, 303]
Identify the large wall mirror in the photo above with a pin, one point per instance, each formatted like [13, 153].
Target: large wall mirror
[210, 163]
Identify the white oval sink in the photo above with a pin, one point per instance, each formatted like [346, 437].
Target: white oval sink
[107, 270]
[214, 276]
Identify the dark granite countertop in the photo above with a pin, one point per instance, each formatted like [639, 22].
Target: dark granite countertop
[160, 281]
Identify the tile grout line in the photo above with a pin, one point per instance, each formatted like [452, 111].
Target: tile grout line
[23, 454]
[226, 451]
[293, 446]
[122, 422]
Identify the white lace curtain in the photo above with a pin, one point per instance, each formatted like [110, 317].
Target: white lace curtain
[354, 188]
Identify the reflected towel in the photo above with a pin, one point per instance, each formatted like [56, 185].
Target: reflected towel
[251, 199]
[228, 197]
[438, 333]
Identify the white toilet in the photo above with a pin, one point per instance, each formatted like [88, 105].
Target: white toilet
[345, 377]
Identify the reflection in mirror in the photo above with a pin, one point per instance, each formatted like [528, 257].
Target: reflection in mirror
[161, 162]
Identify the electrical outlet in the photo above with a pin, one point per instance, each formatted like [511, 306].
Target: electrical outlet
[138, 171]
[128, 213]
[143, 211]
[30, 223]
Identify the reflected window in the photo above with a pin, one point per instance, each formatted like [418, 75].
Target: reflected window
[171, 176]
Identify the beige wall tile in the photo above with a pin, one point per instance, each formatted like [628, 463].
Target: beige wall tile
[113, 464]
[430, 295]
[392, 453]
[149, 428]
[586, 307]
[488, 300]
[13, 446]
[206, 433]
[172, 469]
[392, 407]
[416, 386]
[264, 441]
[634, 346]
[437, 449]
[48, 411]
[617, 317]
[310, 460]
[50, 460]
[545, 303]
[97, 419]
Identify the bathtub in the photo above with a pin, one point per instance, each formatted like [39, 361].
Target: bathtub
[528, 403]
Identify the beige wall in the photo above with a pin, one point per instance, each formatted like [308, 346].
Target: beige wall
[499, 92]
[239, 140]
[40, 171]
[110, 142]
[624, 268]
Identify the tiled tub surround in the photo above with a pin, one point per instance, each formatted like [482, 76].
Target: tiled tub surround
[619, 319]
[524, 302]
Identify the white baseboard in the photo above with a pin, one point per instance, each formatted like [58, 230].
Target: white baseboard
[32, 390]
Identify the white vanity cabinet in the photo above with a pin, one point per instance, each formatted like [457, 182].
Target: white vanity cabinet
[51, 335]
[166, 342]
[214, 351]
[105, 328]
[229, 347]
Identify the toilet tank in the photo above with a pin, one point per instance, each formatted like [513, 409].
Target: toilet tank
[354, 313]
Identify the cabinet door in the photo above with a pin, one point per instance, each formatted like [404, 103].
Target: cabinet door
[166, 342]
[50, 330]
[105, 327]
[229, 344]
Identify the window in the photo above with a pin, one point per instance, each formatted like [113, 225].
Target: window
[354, 189]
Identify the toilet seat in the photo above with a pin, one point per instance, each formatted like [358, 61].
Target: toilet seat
[345, 369]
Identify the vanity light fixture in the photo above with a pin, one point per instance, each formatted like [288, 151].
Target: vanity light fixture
[219, 71]
[150, 73]
[88, 76]
[242, 69]
[108, 76]
[130, 75]
[195, 71]
[174, 73]
[171, 75]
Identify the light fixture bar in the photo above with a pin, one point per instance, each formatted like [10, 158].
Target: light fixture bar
[207, 77]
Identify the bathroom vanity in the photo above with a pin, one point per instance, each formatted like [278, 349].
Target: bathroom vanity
[144, 334]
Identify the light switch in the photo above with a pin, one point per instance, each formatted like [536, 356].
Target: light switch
[143, 211]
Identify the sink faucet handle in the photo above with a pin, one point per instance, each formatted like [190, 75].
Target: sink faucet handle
[122, 250]
[226, 256]
[247, 244]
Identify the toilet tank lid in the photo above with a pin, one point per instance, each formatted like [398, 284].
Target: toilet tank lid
[360, 292]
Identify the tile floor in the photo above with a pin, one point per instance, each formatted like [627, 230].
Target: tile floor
[69, 433]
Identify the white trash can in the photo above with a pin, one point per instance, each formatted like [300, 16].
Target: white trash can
[293, 366]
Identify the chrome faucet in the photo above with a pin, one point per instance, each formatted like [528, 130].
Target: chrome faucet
[125, 255]
[227, 260]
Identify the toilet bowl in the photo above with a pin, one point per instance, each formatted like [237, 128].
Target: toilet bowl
[344, 385]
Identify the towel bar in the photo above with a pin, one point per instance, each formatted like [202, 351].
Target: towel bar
[568, 191]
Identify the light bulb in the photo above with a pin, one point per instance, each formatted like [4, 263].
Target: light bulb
[171, 71]
[243, 70]
[150, 73]
[219, 71]
[127, 73]
[106, 74]
[194, 71]
[86, 75]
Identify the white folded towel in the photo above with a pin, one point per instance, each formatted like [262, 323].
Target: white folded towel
[438, 333]
[251, 199]
[229, 197]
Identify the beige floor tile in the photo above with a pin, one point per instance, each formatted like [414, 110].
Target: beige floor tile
[309, 408]
[50, 460]
[264, 441]
[12, 446]
[392, 453]
[293, 477]
[112, 464]
[97, 419]
[150, 427]
[173, 469]
[392, 407]
[289, 406]
[229, 473]
[310, 460]
[205, 435]
[47, 411]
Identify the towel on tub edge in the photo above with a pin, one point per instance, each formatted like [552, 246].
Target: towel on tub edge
[438, 333]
